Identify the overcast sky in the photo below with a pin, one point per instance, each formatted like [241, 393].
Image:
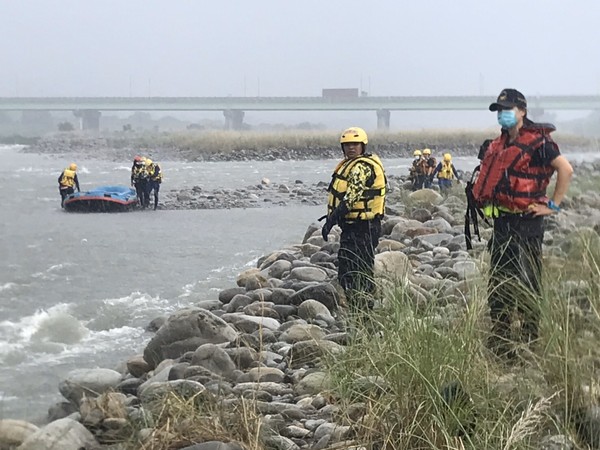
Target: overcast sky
[281, 48]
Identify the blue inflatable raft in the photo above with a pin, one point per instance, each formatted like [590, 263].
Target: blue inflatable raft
[102, 199]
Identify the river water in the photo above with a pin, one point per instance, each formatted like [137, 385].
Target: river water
[77, 290]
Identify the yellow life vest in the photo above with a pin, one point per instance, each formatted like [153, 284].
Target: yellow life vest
[139, 172]
[446, 172]
[68, 178]
[372, 202]
[153, 175]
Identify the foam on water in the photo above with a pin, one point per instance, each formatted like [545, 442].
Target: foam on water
[7, 286]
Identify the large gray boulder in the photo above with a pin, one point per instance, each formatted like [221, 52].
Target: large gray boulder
[89, 382]
[425, 197]
[185, 331]
[62, 434]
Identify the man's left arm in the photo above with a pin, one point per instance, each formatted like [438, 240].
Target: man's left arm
[77, 183]
[564, 172]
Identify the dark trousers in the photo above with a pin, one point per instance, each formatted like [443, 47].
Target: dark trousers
[153, 186]
[141, 188]
[356, 257]
[515, 277]
[64, 193]
[418, 182]
[444, 184]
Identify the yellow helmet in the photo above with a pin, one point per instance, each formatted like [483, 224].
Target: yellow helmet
[73, 166]
[354, 134]
[447, 157]
[148, 161]
[427, 151]
[417, 153]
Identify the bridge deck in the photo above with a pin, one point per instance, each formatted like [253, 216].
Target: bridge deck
[424, 103]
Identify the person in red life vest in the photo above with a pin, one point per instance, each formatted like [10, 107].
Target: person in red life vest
[356, 202]
[67, 182]
[511, 190]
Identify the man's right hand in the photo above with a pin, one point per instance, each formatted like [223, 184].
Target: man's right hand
[329, 224]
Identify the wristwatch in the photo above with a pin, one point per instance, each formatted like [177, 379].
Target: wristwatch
[553, 206]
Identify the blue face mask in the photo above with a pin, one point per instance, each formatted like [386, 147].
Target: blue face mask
[507, 118]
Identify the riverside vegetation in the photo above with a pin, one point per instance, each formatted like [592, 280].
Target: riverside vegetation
[210, 145]
[275, 363]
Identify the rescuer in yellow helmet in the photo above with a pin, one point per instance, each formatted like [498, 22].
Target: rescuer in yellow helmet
[429, 164]
[446, 173]
[416, 175]
[356, 203]
[139, 178]
[154, 180]
[67, 182]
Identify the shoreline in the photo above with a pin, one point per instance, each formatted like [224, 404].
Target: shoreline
[277, 326]
[235, 146]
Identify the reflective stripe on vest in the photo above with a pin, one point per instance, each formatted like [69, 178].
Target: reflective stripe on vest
[372, 202]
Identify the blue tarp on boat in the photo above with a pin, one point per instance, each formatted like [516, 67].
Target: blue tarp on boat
[102, 199]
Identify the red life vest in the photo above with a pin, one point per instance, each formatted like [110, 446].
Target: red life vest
[506, 177]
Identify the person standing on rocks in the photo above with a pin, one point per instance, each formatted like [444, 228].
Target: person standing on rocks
[416, 174]
[429, 164]
[67, 182]
[139, 177]
[511, 190]
[153, 185]
[356, 203]
[446, 173]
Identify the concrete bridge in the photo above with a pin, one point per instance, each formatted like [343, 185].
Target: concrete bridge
[89, 109]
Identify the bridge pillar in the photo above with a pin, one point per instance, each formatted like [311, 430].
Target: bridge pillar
[89, 119]
[234, 119]
[383, 119]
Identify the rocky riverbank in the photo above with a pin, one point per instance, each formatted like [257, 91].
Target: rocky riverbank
[230, 149]
[256, 355]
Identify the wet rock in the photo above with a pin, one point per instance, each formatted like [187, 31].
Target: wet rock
[238, 302]
[226, 295]
[466, 269]
[90, 382]
[277, 269]
[387, 245]
[137, 366]
[425, 197]
[185, 331]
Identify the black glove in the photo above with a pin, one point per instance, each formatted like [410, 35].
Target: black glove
[333, 219]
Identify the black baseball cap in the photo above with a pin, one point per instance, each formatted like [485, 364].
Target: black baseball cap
[509, 98]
